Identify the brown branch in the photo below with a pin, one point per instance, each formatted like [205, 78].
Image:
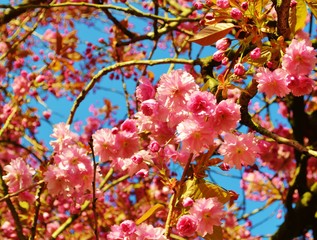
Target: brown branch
[246, 120]
[37, 210]
[282, 11]
[15, 12]
[15, 215]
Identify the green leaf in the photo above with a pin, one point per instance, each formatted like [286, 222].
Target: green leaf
[25, 205]
[212, 33]
[199, 188]
[149, 213]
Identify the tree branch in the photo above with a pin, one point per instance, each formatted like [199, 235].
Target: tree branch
[113, 67]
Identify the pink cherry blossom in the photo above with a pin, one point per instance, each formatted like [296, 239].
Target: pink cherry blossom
[187, 225]
[145, 231]
[201, 103]
[145, 90]
[19, 174]
[21, 86]
[208, 212]
[105, 144]
[64, 137]
[239, 150]
[195, 135]
[226, 116]
[272, 83]
[301, 85]
[299, 58]
[174, 89]
[149, 107]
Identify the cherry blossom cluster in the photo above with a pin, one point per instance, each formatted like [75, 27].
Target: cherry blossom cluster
[293, 77]
[69, 161]
[178, 119]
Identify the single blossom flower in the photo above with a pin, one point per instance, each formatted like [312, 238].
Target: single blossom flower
[300, 58]
[208, 213]
[187, 225]
[272, 83]
[239, 150]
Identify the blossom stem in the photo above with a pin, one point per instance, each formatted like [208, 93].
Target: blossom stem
[94, 199]
[173, 198]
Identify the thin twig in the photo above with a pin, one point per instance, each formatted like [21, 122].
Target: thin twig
[113, 67]
[15, 216]
[94, 199]
[37, 210]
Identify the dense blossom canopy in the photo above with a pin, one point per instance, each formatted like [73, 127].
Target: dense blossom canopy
[158, 119]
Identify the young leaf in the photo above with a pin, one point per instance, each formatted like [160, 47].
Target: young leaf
[301, 14]
[199, 188]
[149, 213]
[212, 33]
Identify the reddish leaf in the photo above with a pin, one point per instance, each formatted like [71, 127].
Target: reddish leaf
[212, 33]
[59, 42]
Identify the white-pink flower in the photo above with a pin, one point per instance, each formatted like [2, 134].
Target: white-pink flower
[201, 103]
[226, 116]
[21, 86]
[300, 58]
[64, 137]
[195, 135]
[300, 85]
[239, 150]
[272, 83]
[105, 144]
[174, 89]
[19, 174]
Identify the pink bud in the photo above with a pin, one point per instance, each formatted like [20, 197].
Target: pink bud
[188, 202]
[137, 159]
[236, 13]
[239, 69]
[218, 56]
[255, 53]
[223, 3]
[245, 6]
[154, 146]
[198, 5]
[223, 44]
[47, 114]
